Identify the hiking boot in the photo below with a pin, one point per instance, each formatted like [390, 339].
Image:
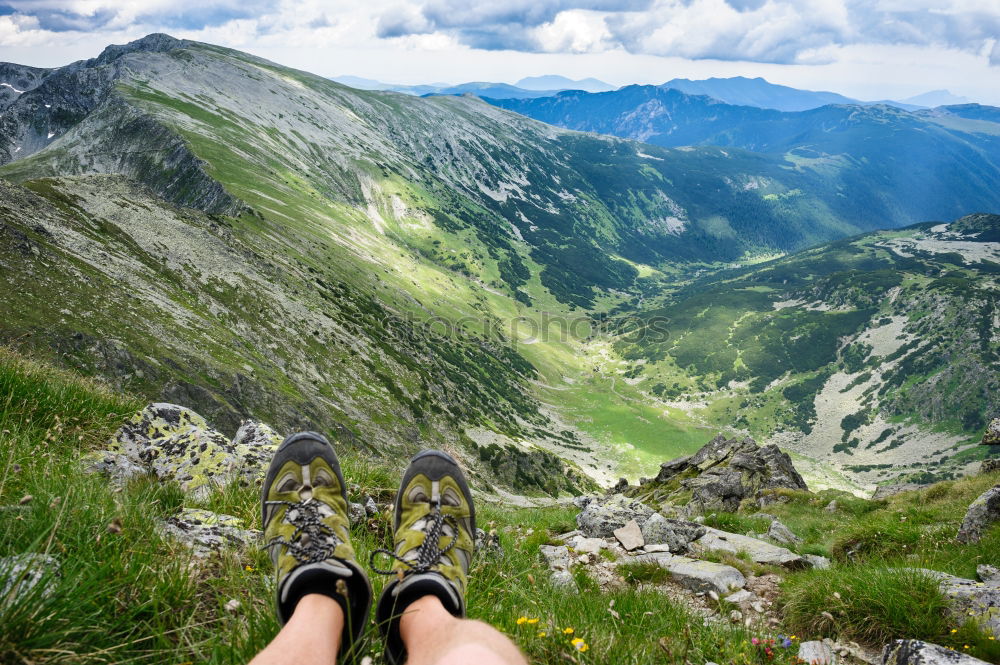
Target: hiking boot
[307, 530]
[435, 526]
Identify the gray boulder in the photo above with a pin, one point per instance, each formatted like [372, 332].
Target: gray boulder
[885, 491]
[701, 576]
[990, 465]
[601, 517]
[917, 652]
[816, 561]
[982, 512]
[205, 532]
[780, 533]
[677, 534]
[356, 513]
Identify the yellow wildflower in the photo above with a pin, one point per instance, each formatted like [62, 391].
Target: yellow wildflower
[579, 644]
[521, 620]
[249, 569]
[954, 630]
[532, 621]
[567, 631]
[542, 633]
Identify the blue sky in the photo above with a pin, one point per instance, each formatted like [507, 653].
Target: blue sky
[864, 48]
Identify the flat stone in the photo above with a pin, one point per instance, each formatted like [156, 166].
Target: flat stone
[699, 576]
[816, 653]
[740, 597]
[630, 536]
[656, 547]
[584, 545]
[759, 550]
[918, 652]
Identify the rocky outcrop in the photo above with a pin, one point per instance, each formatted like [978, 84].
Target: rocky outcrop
[990, 465]
[991, 437]
[982, 512]
[720, 476]
[918, 652]
[173, 442]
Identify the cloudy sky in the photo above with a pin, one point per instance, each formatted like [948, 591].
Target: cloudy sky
[870, 49]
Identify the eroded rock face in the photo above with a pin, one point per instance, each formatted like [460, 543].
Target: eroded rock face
[174, 442]
[722, 475]
[918, 652]
[982, 512]
[206, 532]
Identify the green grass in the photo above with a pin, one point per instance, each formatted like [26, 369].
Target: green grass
[136, 597]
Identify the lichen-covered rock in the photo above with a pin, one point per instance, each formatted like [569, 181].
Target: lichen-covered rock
[990, 465]
[174, 442]
[676, 534]
[992, 435]
[206, 532]
[601, 517]
[971, 600]
[987, 573]
[721, 475]
[918, 652]
[22, 573]
[356, 513]
[982, 512]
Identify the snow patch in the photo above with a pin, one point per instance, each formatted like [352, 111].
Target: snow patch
[640, 153]
[8, 85]
[51, 134]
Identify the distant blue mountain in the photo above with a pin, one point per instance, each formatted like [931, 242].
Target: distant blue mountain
[763, 94]
[556, 82]
[478, 88]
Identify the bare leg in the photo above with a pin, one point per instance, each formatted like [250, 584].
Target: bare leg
[311, 636]
[434, 637]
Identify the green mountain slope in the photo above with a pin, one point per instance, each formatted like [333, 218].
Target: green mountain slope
[876, 354]
[201, 225]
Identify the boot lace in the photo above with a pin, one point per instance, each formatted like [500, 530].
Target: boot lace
[428, 552]
[312, 541]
